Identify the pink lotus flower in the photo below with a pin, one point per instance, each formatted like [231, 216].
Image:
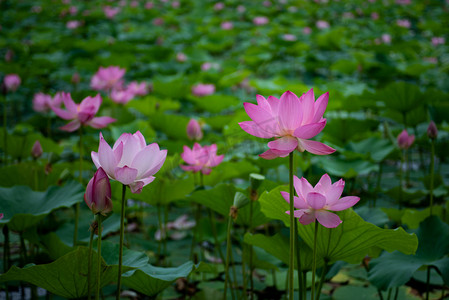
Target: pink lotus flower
[122, 96]
[194, 131]
[219, 6]
[307, 30]
[12, 82]
[289, 37]
[73, 24]
[98, 193]
[36, 150]
[107, 78]
[201, 90]
[139, 89]
[181, 57]
[321, 24]
[158, 21]
[374, 16]
[44, 103]
[403, 23]
[201, 158]
[1, 216]
[81, 114]
[432, 131]
[130, 161]
[438, 40]
[386, 38]
[209, 65]
[260, 21]
[110, 12]
[149, 5]
[227, 25]
[314, 203]
[405, 140]
[292, 120]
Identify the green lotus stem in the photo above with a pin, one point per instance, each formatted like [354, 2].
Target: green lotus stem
[291, 264]
[165, 207]
[214, 233]
[379, 177]
[298, 261]
[401, 179]
[228, 256]
[77, 205]
[5, 132]
[48, 126]
[396, 293]
[432, 175]
[428, 283]
[304, 283]
[201, 180]
[122, 235]
[251, 266]
[23, 249]
[322, 279]
[97, 294]
[245, 291]
[235, 284]
[89, 265]
[6, 256]
[315, 237]
[389, 294]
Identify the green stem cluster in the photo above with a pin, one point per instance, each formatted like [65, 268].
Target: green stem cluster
[315, 237]
[292, 233]
[122, 235]
[432, 175]
[97, 294]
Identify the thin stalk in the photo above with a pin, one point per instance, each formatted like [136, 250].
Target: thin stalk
[304, 283]
[122, 234]
[235, 283]
[159, 221]
[228, 256]
[245, 292]
[6, 256]
[23, 249]
[389, 294]
[48, 126]
[432, 175]
[292, 233]
[5, 132]
[428, 283]
[322, 279]
[379, 177]
[251, 266]
[298, 261]
[396, 293]
[77, 205]
[201, 180]
[315, 237]
[89, 265]
[214, 233]
[401, 179]
[407, 168]
[165, 208]
[97, 294]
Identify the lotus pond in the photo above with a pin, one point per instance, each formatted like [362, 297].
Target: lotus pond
[277, 149]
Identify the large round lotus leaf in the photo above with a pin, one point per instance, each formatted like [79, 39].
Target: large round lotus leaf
[350, 241]
[22, 207]
[65, 277]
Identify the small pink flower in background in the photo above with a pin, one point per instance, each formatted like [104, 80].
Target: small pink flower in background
[403, 23]
[44, 103]
[98, 193]
[321, 24]
[130, 161]
[175, 4]
[314, 203]
[386, 38]
[405, 140]
[149, 5]
[219, 6]
[432, 131]
[432, 60]
[12, 82]
[403, 2]
[139, 89]
[36, 9]
[158, 21]
[181, 225]
[76, 78]
[292, 120]
[9, 55]
[201, 158]
[289, 37]
[267, 3]
[260, 21]
[209, 65]
[181, 57]
[438, 40]
[201, 89]
[73, 24]
[374, 16]
[122, 96]
[307, 30]
[110, 12]
[1, 216]
[82, 114]
[194, 131]
[36, 150]
[134, 3]
[73, 10]
[227, 25]
[107, 78]
[241, 9]
[122, 3]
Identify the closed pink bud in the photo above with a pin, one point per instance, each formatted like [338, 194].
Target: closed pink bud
[12, 82]
[432, 131]
[36, 151]
[98, 193]
[405, 140]
[194, 131]
[1, 216]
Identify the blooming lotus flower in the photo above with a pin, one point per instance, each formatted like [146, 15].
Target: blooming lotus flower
[438, 40]
[201, 158]
[289, 37]
[122, 96]
[321, 24]
[81, 114]
[201, 90]
[314, 203]
[44, 103]
[36, 150]
[403, 23]
[292, 120]
[405, 140]
[98, 193]
[432, 131]
[227, 25]
[130, 161]
[260, 21]
[110, 12]
[194, 131]
[11, 82]
[107, 78]
[139, 89]
[181, 57]
[73, 24]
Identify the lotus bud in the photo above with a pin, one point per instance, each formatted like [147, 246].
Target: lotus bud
[98, 193]
[194, 131]
[11, 82]
[432, 131]
[36, 151]
[405, 140]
